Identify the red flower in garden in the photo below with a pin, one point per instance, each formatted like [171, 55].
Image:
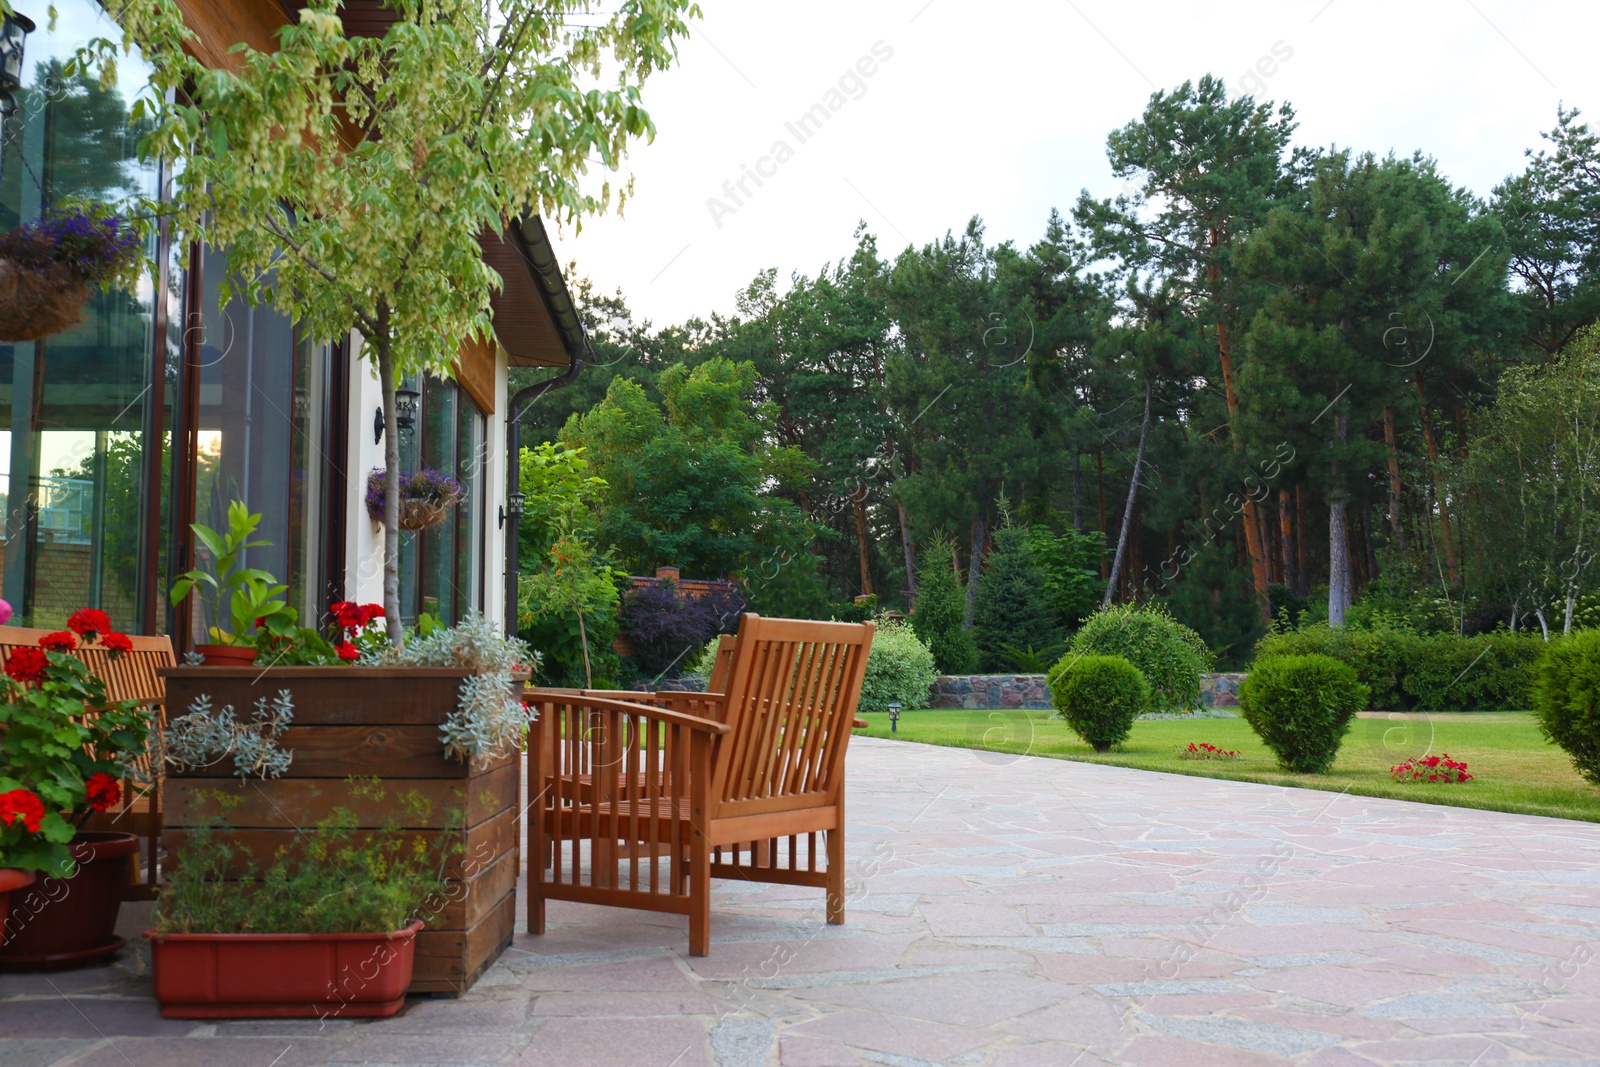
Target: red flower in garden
[103, 791]
[26, 664]
[88, 623]
[372, 611]
[348, 613]
[60, 641]
[117, 644]
[21, 806]
[347, 651]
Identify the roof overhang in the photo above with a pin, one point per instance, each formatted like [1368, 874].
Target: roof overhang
[535, 319]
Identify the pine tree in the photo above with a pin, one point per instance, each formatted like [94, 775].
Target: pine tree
[941, 609]
[1012, 614]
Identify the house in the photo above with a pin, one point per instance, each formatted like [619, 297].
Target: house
[162, 405]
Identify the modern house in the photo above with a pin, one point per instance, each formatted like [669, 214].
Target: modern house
[162, 405]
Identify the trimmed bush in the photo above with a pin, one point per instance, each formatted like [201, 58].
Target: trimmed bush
[1169, 654]
[1302, 706]
[1435, 672]
[1099, 696]
[899, 668]
[1566, 698]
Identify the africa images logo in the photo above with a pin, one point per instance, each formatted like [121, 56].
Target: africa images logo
[852, 85]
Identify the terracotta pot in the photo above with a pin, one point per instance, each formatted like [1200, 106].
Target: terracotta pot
[227, 655]
[60, 924]
[281, 976]
[10, 878]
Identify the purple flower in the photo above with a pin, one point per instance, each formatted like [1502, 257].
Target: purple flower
[91, 248]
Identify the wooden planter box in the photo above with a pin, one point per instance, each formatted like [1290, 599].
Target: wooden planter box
[368, 722]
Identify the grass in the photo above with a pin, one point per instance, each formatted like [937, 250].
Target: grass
[1515, 768]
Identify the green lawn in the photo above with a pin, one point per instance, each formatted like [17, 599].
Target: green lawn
[1515, 769]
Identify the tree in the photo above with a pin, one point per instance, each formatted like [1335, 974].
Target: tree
[350, 178]
[940, 615]
[1011, 616]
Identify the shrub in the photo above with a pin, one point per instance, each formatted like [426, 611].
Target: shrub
[1169, 654]
[1010, 612]
[666, 627]
[941, 611]
[1566, 698]
[1302, 706]
[1377, 656]
[899, 667]
[1069, 566]
[1099, 696]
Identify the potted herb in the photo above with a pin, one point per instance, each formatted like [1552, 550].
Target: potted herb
[245, 596]
[327, 930]
[48, 266]
[443, 712]
[425, 498]
[58, 764]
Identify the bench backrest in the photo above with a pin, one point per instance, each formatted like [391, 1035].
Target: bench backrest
[131, 676]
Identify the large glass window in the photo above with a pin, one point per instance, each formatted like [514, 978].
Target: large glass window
[441, 568]
[80, 415]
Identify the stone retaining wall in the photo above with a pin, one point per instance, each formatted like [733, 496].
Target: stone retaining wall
[1030, 691]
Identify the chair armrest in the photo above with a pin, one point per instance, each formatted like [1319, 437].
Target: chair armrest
[576, 698]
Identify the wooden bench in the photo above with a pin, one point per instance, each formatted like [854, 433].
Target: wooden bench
[131, 676]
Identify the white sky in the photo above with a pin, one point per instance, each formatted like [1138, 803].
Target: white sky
[1003, 110]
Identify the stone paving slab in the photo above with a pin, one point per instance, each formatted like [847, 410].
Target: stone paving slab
[1004, 911]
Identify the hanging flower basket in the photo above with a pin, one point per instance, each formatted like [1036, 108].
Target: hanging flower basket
[48, 267]
[426, 498]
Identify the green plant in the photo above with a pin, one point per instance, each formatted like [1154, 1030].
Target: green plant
[940, 612]
[1440, 768]
[58, 763]
[1205, 751]
[204, 736]
[1301, 707]
[1099, 696]
[1566, 699]
[1032, 660]
[899, 668]
[489, 717]
[241, 594]
[338, 879]
[1069, 569]
[1010, 610]
[1169, 654]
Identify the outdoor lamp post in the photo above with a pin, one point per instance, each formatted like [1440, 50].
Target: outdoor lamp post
[894, 716]
[514, 505]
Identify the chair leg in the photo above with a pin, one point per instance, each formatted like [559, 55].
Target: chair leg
[836, 875]
[699, 896]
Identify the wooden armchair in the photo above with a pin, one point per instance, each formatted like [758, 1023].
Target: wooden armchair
[639, 806]
[131, 676]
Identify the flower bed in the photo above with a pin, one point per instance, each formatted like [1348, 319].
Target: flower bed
[1439, 769]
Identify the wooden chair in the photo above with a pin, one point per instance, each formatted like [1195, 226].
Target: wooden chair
[691, 797]
[131, 676]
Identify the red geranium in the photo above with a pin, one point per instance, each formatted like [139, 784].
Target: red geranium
[26, 664]
[103, 791]
[88, 623]
[116, 644]
[372, 611]
[348, 613]
[347, 651]
[21, 806]
[60, 641]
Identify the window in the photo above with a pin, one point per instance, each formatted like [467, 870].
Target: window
[441, 568]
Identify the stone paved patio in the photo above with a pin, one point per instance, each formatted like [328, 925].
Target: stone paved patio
[1007, 911]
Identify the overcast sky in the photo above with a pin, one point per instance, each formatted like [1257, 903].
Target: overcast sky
[943, 109]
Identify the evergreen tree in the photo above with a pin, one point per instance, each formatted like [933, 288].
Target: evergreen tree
[1011, 615]
[941, 610]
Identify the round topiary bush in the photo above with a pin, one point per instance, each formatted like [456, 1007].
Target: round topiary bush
[1566, 698]
[1169, 654]
[1099, 696]
[899, 667]
[1301, 706]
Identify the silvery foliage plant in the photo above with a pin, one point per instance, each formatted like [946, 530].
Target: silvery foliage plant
[208, 735]
[488, 717]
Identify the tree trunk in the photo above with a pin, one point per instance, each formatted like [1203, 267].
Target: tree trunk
[1252, 532]
[1077, 489]
[1338, 540]
[1100, 476]
[1286, 538]
[391, 484]
[858, 501]
[1302, 579]
[1451, 565]
[910, 553]
[980, 531]
[1395, 525]
[1127, 507]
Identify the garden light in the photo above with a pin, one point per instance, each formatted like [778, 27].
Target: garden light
[405, 407]
[13, 36]
[894, 716]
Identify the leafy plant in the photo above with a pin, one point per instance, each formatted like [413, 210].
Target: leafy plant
[1301, 706]
[65, 747]
[1069, 569]
[236, 592]
[940, 612]
[426, 486]
[899, 668]
[1032, 660]
[1169, 654]
[1204, 751]
[1010, 609]
[488, 716]
[205, 736]
[1439, 768]
[1099, 696]
[666, 626]
[338, 879]
[1566, 699]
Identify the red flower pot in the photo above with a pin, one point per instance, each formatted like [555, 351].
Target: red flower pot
[281, 976]
[10, 878]
[63, 923]
[227, 655]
